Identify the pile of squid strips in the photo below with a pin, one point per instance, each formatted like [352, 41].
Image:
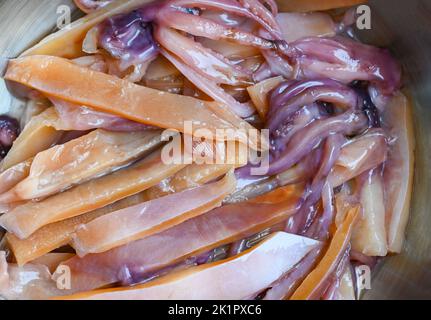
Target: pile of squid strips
[83, 185]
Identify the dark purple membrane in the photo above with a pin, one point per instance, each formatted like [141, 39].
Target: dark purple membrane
[129, 37]
[366, 103]
[9, 131]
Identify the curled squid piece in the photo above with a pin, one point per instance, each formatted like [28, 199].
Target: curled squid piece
[220, 226]
[345, 60]
[203, 27]
[143, 220]
[226, 279]
[290, 96]
[31, 216]
[304, 141]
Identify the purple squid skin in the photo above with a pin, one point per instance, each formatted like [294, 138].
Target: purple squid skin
[318, 188]
[346, 60]
[9, 131]
[129, 36]
[347, 123]
[290, 96]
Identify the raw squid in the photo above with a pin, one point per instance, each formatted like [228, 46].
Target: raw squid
[95, 154]
[345, 60]
[91, 5]
[369, 233]
[67, 42]
[359, 155]
[57, 234]
[9, 131]
[73, 117]
[143, 220]
[30, 282]
[313, 5]
[26, 219]
[192, 176]
[12, 176]
[53, 260]
[285, 286]
[193, 237]
[259, 94]
[398, 172]
[295, 26]
[315, 283]
[125, 99]
[227, 279]
[38, 135]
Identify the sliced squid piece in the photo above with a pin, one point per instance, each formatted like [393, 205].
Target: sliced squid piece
[15, 174]
[33, 108]
[160, 69]
[67, 42]
[230, 50]
[53, 259]
[295, 26]
[110, 94]
[369, 233]
[32, 282]
[143, 220]
[315, 5]
[192, 176]
[360, 155]
[399, 169]
[38, 135]
[97, 193]
[226, 279]
[197, 174]
[95, 154]
[259, 94]
[75, 117]
[346, 287]
[218, 227]
[55, 235]
[315, 283]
